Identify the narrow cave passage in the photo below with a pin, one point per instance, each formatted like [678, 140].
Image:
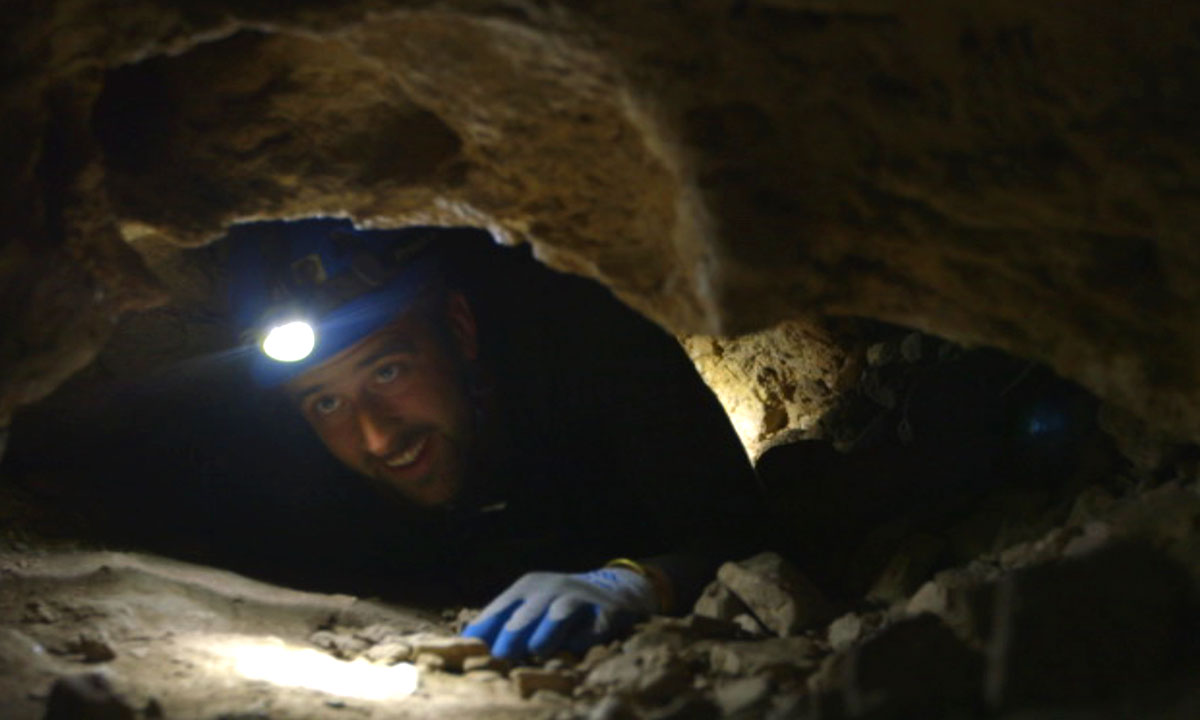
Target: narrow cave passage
[932, 482]
[936, 265]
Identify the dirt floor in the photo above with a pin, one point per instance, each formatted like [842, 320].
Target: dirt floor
[183, 641]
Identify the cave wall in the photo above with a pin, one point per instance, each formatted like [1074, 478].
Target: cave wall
[1021, 175]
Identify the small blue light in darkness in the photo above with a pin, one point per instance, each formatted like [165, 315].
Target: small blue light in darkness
[1044, 420]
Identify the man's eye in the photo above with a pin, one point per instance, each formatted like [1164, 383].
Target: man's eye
[326, 405]
[387, 373]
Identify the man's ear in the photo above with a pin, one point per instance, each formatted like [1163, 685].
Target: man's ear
[461, 321]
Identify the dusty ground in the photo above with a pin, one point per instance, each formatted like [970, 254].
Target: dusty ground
[193, 642]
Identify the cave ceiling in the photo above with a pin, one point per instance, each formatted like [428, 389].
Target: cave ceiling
[1022, 175]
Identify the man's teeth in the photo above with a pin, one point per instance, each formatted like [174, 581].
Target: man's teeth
[408, 456]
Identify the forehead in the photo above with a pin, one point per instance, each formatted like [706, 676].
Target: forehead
[405, 333]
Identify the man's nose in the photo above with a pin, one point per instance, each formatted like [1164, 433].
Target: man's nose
[374, 429]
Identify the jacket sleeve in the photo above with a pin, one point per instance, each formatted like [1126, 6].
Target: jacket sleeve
[657, 469]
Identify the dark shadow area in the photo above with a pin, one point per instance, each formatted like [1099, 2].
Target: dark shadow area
[938, 455]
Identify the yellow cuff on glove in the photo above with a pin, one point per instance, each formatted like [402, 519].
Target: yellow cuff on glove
[662, 585]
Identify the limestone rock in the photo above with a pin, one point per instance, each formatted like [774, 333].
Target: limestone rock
[612, 707]
[94, 647]
[676, 634]
[430, 662]
[750, 625]
[1092, 537]
[1048, 547]
[845, 630]
[596, 655]
[551, 698]
[653, 674]
[340, 645]
[650, 638]
[914, 560]
[686, 706]
[379, 633]
[530, 680]
[1092, 503]
[1166, 517]
[389, 652]
[461, 618]
[880, 354]
[709, 627]
[778, 595]
[1148, 448]
[962, 598]
[623, 670]
[1099, 627]
[774, 381]
[751, 657]
[453, 649]
[911, 668]
[664, 682]
[743, 698]
[485, 662]
[717, 601]
[483, 675]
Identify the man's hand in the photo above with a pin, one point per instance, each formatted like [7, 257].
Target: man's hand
[545, 612]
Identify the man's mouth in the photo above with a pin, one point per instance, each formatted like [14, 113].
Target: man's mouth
[408, 455]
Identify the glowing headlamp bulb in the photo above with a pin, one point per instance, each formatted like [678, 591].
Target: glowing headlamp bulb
[290, 342]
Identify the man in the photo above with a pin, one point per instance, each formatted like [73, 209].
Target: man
[541, 424]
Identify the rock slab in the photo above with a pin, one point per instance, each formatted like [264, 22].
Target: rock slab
[782, 599]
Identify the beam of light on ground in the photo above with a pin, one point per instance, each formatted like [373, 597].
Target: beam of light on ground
[279, 664]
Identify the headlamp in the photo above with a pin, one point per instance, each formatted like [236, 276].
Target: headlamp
[302, 291]
[289, 342]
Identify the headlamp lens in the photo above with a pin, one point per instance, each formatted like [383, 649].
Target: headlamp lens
[290, 342]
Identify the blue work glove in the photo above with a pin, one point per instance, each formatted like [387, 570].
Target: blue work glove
[545, 612]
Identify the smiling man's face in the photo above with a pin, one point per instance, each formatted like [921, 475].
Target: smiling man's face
[395, 406]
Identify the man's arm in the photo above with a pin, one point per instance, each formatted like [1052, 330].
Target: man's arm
[652, 467]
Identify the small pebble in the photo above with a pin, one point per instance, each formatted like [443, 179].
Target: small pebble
[428, 662]
[486, 662]
[530, 680]
[94, 648]
[454, 650]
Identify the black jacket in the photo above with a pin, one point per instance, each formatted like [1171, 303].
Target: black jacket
[613, 445]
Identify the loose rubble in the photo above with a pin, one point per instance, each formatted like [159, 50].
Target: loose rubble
[779, 597]
[1100, 611]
